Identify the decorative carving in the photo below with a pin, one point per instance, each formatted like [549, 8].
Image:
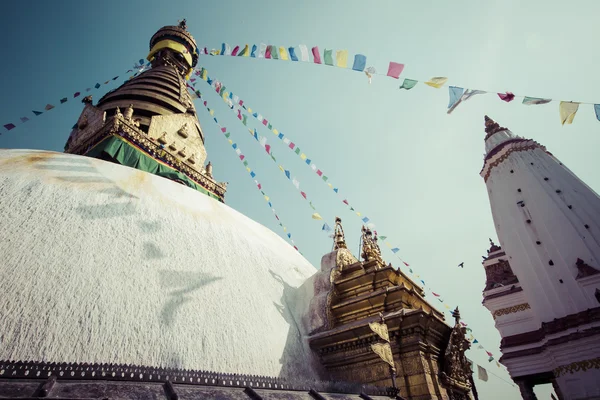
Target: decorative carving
[344, 258]
[370, 248]
[209, 170]
[118, 113]
[339, 241]
[87, 100]
[508, 152]
[584, 269]
[499, 274]
[172, 146]
[511, 310]
[491, 127]
[182, 152]
[184, 131]
[493, 247]
[593, 363]
[128, 114]
[192, 159]
[163, 138]
[457, 369]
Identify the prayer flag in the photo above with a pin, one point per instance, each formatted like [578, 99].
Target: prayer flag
[455, 96]
[435, 294]
[292, 54]
[488, 353]
[268, 52]
[283, 54]
[360, 62]
[328, 57]
[482, 373]
[115, 78]
[345, 202]
[287, 173]
[535, 101]
[326, 228]
[303, 52]
[274, 54]
[253, 53]
[225, 49]
[63, 100]
[296, 183]
[341, 57]
[316, 55]
[37, 112]
[437, 81]
[244, 52]
[97, 85]
[408, 84]
[475, 341]
[382, 237]
[76, 94]
[316, 216]
[490, 359]
[262, 51]
[48, 107]
[395, 250]
[568, 109]
[9, 126]
[365, 220]
[395, 69]
[303, 194]
[597, 109]
[507, 97]
[25, 119]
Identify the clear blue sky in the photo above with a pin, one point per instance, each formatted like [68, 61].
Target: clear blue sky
[396, 155]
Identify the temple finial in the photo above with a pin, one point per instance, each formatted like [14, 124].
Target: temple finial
[491, 127]
[456, 315]
[339, 241]
[183, 23]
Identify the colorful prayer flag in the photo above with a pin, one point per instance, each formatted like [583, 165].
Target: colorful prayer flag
[268, 52]
[455, 96]
[482, 373]
[244, 52]
[365, 220]
[328, 57]
[568, 109]
[597, 109]
[316, 55]
[435, 294]
[535, 101]
[303, 52]
[63, 100]
[283, 54]
[253, 53]
[262, 51]
[507, 97]
[382, 237]
[292, 52]
[48, 107]
[408, 84]
[341, 57]
[37, 112]
[76, 94]
[9, 126]
[24, 119]
[437, 81]
[326, 228]
[274, 53]
[395, 250]
[475, 341]
[395, 69]
[360, 62]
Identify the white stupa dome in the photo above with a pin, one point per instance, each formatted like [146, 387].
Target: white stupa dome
[102, 263]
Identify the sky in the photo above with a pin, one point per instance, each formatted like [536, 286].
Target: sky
[395, 155]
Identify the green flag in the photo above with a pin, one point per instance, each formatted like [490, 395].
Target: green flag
[327, 55]
[274, 53]
[408, 84]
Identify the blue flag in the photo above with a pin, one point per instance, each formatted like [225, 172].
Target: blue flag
[360, 62]
[455, 95]
[365, 220]
[597, 109]
[326, 228]
[292, 54]
[253, 53]
[287, 173]
[395, 250]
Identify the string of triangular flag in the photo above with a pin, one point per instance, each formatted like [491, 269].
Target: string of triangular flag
[251, 172]
[567, 109]
[140, 67]
[236, 104]
[262, 141]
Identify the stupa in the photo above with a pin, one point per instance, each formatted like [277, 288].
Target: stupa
[124, 274]
[543, 281]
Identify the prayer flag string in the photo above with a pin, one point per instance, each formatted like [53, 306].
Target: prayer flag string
[139, 67]
[227, 97]
[244, 161]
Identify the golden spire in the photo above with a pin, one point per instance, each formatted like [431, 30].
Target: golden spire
[339, 241]
[370, 248]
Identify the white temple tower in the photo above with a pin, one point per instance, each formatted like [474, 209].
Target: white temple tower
[548, 224]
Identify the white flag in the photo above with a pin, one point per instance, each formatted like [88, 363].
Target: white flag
[238, 151]
[303, 52]
[296, 183]
[262, 50]
[227, 49]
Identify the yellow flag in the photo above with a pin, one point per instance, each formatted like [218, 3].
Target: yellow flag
[275, 131]
[330, 185]
[267, 198]
[568, 109]
[303, 156]
[283, 54]
[249, 110]
[212, 112]
[284, 229]
[437, 81]
[357, 213]
[230, 141]
[245, 52]
[342, 58]
[384, 351]
[380, 329]
[248, 169]
[316, 216]
[281, 168]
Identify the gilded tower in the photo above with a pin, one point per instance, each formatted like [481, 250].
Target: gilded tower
[150, 122]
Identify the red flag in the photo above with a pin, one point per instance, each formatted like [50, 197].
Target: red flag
[345, 202]
[268, 52]
[395, 69]
[435, 294]
[242, 156]
[316, 55]
[303, 194]
[265, 122]
[76, 94]
[319, 172]
[259, 186]
[235, 50]
[292, 145]
[507, 97]
[9, 126]
[489, 354]
[223, 130]
[267, 148]
[405, 263]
